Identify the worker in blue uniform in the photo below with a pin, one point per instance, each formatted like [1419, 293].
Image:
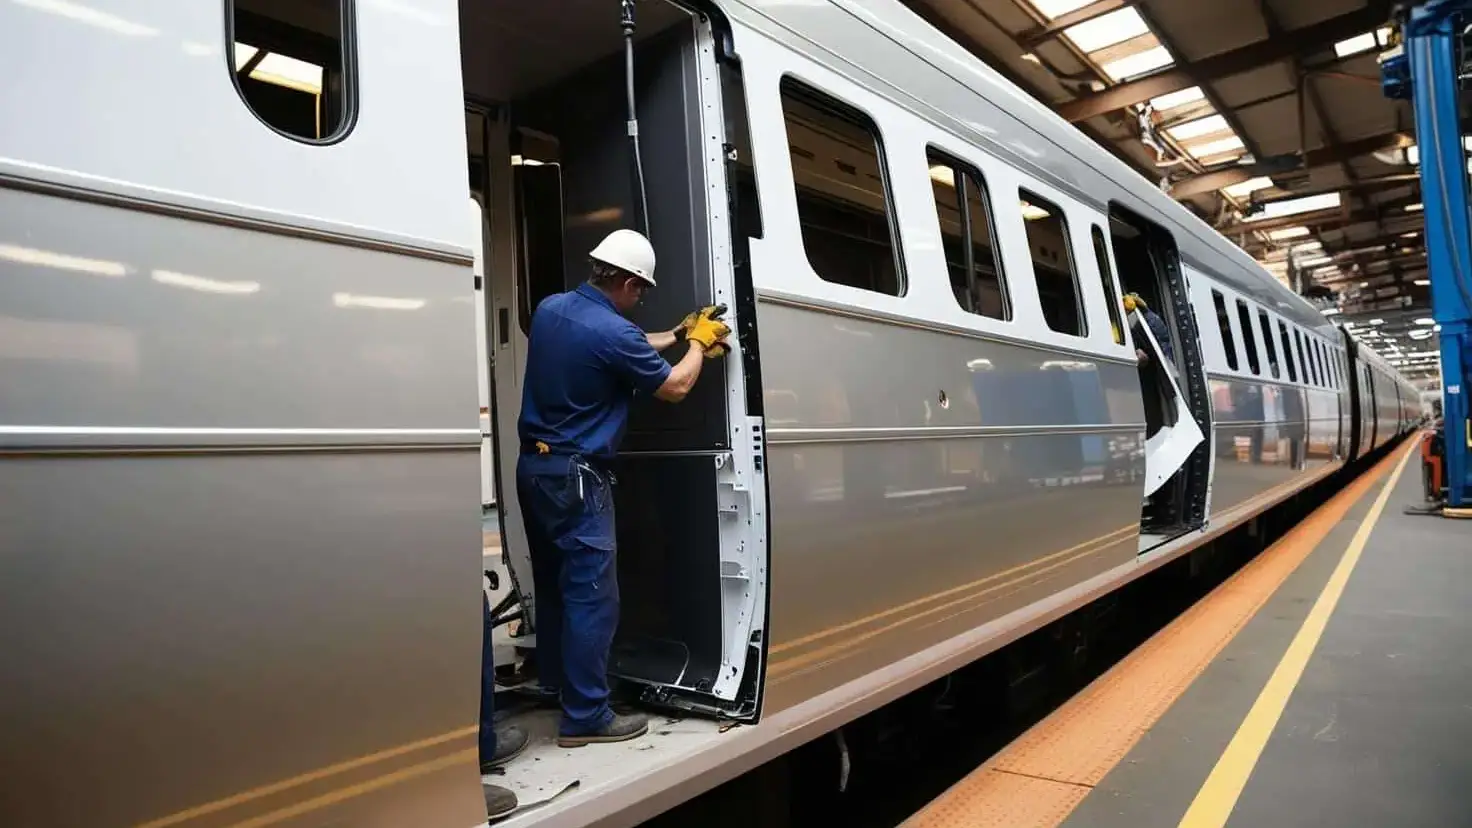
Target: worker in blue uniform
[585, 363]
[1158, 328]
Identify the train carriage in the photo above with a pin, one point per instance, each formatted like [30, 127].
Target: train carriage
[258, 255]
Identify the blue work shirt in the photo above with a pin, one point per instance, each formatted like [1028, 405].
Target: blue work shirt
[1160, 331]
[585, 362]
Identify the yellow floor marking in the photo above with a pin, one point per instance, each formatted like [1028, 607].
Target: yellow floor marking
[1218, 796]
[311, 776]
[1039, 779]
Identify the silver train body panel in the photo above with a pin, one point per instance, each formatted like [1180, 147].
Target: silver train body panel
[238, 440]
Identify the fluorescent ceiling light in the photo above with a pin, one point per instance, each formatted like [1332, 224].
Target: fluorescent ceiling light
[1423, 282]
[1307, 247]
[1031, 212]
[1420, 334]
[1377, 321]
[1288, 233]
[1216, 147]
[1249, 187]
[1139, 64]
[205, 284]
[1355, 45]
[1314, 260]
[61, 261]
[1425, 321]
[942, 174]
[1330, 311]
[1294, 206]
[1175, 99]
[1415, 208]
[1198, 128]
[281, 70]
[1054, 8]
[1112, 28]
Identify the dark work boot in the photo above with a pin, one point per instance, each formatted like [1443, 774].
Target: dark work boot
[499, 801]
[510, 742]
[621, 729]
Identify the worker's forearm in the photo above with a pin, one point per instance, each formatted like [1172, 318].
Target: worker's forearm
[682, 378]
[661, 339]
[687, 370]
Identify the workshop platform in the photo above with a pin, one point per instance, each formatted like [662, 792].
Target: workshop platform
[1329, 682]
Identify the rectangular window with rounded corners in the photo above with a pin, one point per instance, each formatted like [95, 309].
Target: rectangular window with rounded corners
[1224, 324]
[1287, 352]
[1302, 357]
[963, 208]
[1106, 273]
[1249, 342]
[1267, 341]
[293, 65]
[843, 202]
[1052, 265]
[1318, 354]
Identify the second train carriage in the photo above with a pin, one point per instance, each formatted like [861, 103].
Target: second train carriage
[248, 365]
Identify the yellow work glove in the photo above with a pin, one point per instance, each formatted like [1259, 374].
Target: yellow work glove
[707, 312]
[707, 332]
[715, 351]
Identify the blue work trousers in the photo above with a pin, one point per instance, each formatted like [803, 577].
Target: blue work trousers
[567, 507]
[487, 686]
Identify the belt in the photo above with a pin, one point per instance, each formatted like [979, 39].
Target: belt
[541, 449]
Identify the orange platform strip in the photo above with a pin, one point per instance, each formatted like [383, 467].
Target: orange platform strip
[1041, 777]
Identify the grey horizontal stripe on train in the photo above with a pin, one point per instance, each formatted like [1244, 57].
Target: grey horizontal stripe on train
[871, 435]
[44, 438]
[822, 306]
[183, 205]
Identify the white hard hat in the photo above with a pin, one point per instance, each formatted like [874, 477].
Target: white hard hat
[627, 250]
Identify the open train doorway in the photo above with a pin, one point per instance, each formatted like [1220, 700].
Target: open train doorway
[1172, 378]
[549, 87]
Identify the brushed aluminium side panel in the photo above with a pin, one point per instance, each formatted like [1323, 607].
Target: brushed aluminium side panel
[1267, 436]
[893, 526]
[189, 618]
[182, 629]
[112, 317]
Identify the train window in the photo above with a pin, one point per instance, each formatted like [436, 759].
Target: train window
[1318, 357]
[843, 200]
[292, 64]
[1267, 341]
[1249, 342]
[1287, 352]
[1224, 324]
[1111, 296]
[1052, 265]
[1302, 358]
[963, 209]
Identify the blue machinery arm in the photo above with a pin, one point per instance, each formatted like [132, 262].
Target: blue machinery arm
[1425, 68]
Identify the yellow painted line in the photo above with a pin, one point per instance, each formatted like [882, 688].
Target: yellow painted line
[1037, 780]
[1117, 534]
[1218, 796]
[786, 668]
[341, 794]
[302, 779]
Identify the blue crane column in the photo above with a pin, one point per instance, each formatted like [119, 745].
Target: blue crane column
[1429, 66]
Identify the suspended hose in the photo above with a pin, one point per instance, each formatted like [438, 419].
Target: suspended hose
[626, 21]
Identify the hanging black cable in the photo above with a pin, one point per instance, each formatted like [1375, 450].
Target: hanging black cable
[626, 21]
